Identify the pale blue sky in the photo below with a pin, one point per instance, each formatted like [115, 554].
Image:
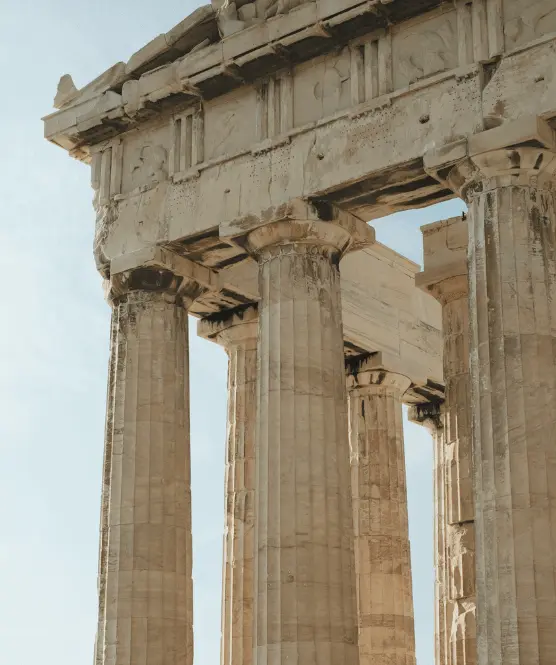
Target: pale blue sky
[54, 348]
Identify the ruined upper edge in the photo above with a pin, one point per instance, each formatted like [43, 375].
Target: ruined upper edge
[201, 58]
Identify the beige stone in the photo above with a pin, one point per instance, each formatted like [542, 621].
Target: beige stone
[238, 335]
[304, 568]
[510, 193]
[445, 277]
[308, 118]
[145, 584]
[382, 550]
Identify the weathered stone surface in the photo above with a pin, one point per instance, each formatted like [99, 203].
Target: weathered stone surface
[206, 141]
[445, 277]
[304, 569]
[382, 551]
[510, 193]
[238, 335]
[105, 493]
[146, 587]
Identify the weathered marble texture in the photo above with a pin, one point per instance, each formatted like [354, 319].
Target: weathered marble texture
[305, 611]
[382, 550]
[445, 277]
[512, 273]
[458, 452]
[240, 342]
[105, 494]
[147, 603]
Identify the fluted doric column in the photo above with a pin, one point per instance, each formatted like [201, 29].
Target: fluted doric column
[512, 273]
[145, 604]
[305, 611]
[445, 277]
[105, 494]
[382, 551]
[238, 335]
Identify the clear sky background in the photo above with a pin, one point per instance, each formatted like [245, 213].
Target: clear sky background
[54, 327]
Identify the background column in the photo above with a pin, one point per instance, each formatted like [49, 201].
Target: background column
[383, 565]
[445, 277]
[305, 611]
[148, 589]
[238, 335]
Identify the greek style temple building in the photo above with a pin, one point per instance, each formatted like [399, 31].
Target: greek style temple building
[237, 162]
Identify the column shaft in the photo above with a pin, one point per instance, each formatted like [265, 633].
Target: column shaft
[305, 610]
[513, 331]
[148, 594]
[459, 506]
[239, 544]
[445, 277]
[105, 494]
[383, 566]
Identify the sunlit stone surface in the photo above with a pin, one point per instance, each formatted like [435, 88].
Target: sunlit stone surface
[235, 161]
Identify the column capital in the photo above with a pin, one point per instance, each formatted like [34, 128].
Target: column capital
[522, 152]
[159, 271]
[429, 415]
[445, 260]
[317, 226]
[231, 328]
[372, 375]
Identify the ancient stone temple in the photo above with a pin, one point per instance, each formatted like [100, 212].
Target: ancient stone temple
[236, 163]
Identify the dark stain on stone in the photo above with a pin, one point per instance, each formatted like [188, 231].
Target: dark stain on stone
[150, 279]
[539, 162]
[429, 411]
[489, 70]
[324, 209]
[238, 258]
[234, 295]
[515, 159]
[224, 315]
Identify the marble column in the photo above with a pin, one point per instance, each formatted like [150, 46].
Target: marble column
[445, 277]
[105, 495]
[147, 602]
[238, 335]
[512, 276]
[305, 610]
[431, 416]
[382, 551]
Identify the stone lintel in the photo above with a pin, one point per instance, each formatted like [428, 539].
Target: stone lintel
[445, 257]
[361, 234]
